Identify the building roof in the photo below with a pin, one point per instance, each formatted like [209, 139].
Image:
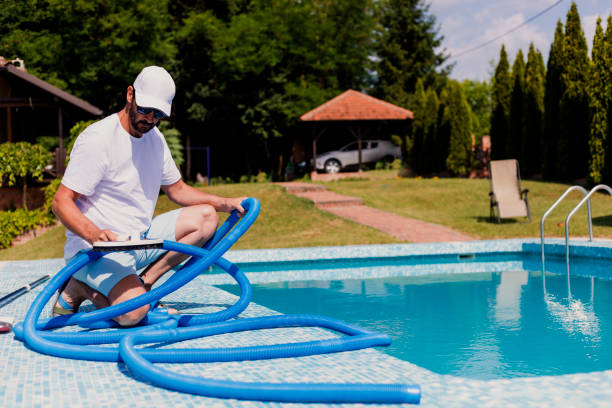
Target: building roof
[354, 105]
[63, 95]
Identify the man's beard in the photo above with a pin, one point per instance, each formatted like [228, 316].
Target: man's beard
[141, 126]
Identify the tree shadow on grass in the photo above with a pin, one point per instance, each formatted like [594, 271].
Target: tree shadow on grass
[603, 221]
[493, 221]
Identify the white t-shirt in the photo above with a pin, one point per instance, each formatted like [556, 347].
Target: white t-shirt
[118, 177]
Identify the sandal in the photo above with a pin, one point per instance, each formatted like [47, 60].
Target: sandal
[168, 309]
[61, 307]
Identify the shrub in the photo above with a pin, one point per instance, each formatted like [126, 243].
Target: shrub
[396, 164]
[173, 139]
[49, 143]
[261, 177]
[15, 223]
[22, 160]
[50, 191]
[75, 131]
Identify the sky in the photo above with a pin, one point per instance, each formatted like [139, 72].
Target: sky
[466, 24]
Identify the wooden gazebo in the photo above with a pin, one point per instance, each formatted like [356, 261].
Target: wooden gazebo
[356, 110]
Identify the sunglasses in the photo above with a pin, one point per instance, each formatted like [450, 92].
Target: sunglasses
[145, 111]
[157, 114]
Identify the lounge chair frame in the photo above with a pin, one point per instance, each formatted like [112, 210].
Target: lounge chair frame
[494, 203]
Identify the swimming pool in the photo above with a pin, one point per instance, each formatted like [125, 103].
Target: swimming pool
[36, 380]
[482, 325]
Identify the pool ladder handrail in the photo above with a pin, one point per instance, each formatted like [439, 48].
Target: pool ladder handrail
[552, 207]
[567, 220]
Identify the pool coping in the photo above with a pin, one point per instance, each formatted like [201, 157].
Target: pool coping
[588, 389]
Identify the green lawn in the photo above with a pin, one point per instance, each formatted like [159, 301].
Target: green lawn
[284, 221]
[462, 204]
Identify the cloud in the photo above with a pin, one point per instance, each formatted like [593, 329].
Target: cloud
[476, 64]
[519, 39]
[589, 23]
[469, 23]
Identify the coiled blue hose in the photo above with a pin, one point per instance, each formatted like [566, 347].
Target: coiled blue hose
[158, 327]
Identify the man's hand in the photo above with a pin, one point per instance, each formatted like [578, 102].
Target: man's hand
[185, 196]
[101, 235]
[231, 204]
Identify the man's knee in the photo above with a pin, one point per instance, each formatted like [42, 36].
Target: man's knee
[133, 317]
[202, 217]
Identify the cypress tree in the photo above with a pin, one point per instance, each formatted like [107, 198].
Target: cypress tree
[458, 117]
[430, 135]
[574, 109]
[607, 96]
[443, 133]
[598, 80]
[418, 128]
[514, 146]
[534, 111]
[500, 102]
[552, 96]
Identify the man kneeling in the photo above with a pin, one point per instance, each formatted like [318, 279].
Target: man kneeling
[110, 189]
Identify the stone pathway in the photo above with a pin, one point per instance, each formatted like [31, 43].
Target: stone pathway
[351, 208]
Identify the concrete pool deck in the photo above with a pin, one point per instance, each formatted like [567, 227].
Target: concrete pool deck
[30, 379]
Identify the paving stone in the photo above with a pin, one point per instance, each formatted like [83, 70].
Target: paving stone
[351, 208]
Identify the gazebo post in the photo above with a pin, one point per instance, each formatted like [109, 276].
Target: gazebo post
[315, 136]
[314, 148]
[358, 137]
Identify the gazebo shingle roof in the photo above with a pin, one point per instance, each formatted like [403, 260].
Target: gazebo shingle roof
[354, 105]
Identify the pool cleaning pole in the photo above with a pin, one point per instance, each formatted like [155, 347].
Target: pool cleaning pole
[5, 300]
[6, 323]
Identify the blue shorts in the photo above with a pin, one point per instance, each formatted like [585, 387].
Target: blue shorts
[103, 274]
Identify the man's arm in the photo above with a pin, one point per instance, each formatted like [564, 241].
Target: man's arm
[185, 195]
[68, 213]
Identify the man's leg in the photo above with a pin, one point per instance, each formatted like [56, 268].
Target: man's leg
[76, 292]
[194, 226]
[128, 288]
[107, 281]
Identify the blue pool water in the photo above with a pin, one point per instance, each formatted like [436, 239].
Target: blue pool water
[483, 325]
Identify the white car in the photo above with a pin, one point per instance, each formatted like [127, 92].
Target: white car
[348, 156]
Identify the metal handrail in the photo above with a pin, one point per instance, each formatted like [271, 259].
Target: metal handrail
[567, 222]
[552, 207]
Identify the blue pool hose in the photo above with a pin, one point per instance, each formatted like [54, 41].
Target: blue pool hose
[160, 327]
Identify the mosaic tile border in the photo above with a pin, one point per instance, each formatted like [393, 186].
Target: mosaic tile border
[31, 380]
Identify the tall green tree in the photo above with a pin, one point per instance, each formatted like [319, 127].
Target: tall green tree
[265, 64]
[574, 109]
[535, 73]
[500, 103]
[418, 154]
[92, 48]
[516, 148]
[443, 132]
[407, 49]
[552, 96]
[431, 143]
[598, 80]
[601, 103]
[478, 94]
[458, 119]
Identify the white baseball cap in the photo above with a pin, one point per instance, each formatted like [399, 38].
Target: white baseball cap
[155, 89]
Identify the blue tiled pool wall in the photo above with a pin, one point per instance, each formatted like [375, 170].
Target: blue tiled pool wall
[377, 261]
[31, 379]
